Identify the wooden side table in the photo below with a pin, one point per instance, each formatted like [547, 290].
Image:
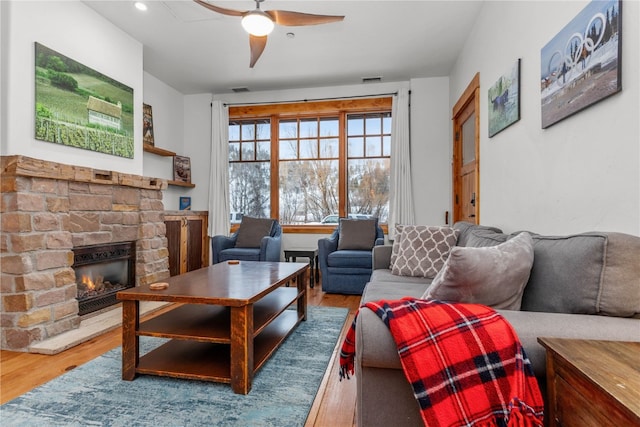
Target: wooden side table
[312, 254]
[592, 383]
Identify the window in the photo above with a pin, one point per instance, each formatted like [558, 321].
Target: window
[369, 164]
[249, 167]
[308, 169]
[309, 164]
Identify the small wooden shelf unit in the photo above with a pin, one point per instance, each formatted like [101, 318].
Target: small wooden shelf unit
[166, 153]
[201, 337]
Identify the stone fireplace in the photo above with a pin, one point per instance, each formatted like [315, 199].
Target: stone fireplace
[49, 210]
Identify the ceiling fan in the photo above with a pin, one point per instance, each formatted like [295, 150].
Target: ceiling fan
[259, 23]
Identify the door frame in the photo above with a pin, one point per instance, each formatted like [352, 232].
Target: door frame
[470, 96]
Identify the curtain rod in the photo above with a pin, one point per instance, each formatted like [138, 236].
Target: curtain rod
[228, 104]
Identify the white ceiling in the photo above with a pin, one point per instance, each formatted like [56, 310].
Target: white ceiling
[195, 50]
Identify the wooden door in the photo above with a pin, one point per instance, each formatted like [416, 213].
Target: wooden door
[466, 155]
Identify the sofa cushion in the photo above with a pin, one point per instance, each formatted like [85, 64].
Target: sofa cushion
[493, 276]
[468, 231]
[385, 275]
[252, 230]
[620, 286]
[245, 254]
[483, 238]
[566, 273]
[423, 250]
[357, 234]
[350, 259]
[530, 325]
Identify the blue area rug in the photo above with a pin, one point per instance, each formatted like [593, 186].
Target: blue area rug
[94, 394]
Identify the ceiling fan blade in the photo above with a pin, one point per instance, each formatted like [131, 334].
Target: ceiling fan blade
[293, 19]
[222, 10]
[257, 45]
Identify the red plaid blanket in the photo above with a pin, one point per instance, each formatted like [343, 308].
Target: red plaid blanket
[464, 362]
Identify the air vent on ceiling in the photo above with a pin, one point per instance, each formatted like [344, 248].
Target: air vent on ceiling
[240, 89]
[377, 79]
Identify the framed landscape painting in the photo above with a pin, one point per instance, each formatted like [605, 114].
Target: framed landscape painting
[80, 107]
[504, 101]
[581, 65]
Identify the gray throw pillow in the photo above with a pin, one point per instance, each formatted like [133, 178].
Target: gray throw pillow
[493, 276]
[357, 234]
[423, 250]
[252, 230]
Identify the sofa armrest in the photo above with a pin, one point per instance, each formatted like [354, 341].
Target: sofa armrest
[220, 243]
[325, 247]
[381, 256]
[270, 248]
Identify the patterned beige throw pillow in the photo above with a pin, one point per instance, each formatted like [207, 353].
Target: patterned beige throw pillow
[423, 250]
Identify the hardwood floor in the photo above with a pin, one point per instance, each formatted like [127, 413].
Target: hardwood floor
[334, 404]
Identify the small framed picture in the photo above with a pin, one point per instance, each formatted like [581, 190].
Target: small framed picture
[182, 169]
[147, 124]
[504, 100]
[185, 203]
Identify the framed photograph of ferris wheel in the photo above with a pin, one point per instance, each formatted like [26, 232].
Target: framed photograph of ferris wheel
[582, 64]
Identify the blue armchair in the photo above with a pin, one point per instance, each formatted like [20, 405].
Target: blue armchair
[259, 240]
[346, 271]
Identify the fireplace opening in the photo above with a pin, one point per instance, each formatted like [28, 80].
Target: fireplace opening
[101, 271]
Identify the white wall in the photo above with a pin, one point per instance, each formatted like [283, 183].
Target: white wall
[197, 146]
[430, 149]
[167, 107]
[580, 174]
[76, 31]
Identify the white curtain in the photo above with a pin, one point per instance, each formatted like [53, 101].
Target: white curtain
[219, 179]
[401, 209]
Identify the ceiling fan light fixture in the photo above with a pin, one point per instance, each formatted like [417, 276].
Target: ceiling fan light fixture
[257, 23]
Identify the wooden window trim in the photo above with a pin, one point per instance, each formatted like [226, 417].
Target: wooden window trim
[339, 108]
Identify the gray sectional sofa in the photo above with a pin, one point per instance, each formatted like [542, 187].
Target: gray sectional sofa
[583, 286]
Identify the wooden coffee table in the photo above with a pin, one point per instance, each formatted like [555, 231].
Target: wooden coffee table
[232, 318]
[592, 383]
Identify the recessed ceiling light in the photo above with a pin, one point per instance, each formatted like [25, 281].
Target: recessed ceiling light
[291, 35]
[141, 6]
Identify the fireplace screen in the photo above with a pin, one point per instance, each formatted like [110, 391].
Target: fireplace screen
[101, 271]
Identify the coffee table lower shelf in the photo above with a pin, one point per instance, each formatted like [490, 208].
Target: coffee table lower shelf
[207, 361]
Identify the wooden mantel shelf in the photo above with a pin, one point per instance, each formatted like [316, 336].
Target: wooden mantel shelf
[18, 165]
[181, 184]
[159, 151]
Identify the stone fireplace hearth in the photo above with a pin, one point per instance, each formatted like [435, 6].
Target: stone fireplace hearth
[48, 209]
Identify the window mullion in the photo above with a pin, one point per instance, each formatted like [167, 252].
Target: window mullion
[275, 166]
[342, 164]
